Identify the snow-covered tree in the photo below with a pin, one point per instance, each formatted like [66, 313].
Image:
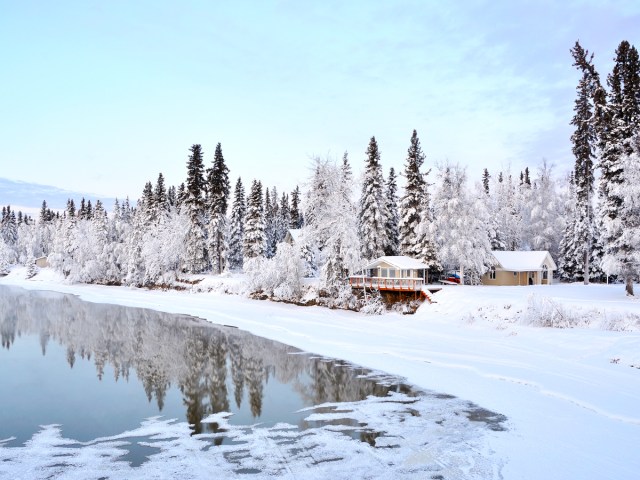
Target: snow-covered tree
[412, 201]
[392, 217]
[545, 222]
[372, 211]
[254, 235]
[196, 257]
[236, 231]
[459, 225]
[623, 251]
[297, 219]
[584, 139]
[216, 206]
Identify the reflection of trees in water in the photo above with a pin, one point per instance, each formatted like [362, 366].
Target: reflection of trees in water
[165, 350]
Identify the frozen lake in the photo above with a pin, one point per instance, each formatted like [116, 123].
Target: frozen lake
[124, 390]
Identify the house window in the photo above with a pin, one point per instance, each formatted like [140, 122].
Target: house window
[392, 273]
[545, 272]
[515, 274]
[492, 273]
[384, 272]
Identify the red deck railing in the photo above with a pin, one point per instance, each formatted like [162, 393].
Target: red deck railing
[383, 283]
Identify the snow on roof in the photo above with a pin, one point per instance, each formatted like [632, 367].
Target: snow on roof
[398, 261]
[295, 233]
[524, 261]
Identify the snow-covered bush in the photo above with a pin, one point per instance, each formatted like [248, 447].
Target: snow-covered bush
[545, 312]
[372, 305]
[279, 277]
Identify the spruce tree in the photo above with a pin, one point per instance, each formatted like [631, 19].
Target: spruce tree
[160, 200]
[236, 233]
[391, 224]
[196, 258]
[618, 126]
[217, 204]
[485, 181]
[372, 212]
[296, 212]
[583, 140]
[412, 202]
[254, 235]
[270, 219]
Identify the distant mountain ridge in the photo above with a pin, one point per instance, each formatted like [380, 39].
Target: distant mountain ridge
[28, 196]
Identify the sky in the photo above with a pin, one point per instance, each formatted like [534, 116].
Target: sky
[100, 96]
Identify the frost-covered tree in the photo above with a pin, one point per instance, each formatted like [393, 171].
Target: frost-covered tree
[372, 212]
[217, 203]
[254, 235]
[236, 231]
[568, 261]
[297, 219]
[623, 252]
[271, 213]
[392, 217]
[584, 140]
[459, 225]
[618, 127]
[545, 221]
[329, 240]
[160, 201]
[411, 202]
[196, 256]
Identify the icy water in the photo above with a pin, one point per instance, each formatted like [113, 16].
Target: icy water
[128, 385]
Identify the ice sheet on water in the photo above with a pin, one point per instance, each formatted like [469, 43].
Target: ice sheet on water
[398, 436]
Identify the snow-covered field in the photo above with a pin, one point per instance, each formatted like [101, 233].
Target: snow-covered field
[571, 395]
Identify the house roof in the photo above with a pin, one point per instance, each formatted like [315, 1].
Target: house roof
[295, 233]
[524, 261]
[398, 261]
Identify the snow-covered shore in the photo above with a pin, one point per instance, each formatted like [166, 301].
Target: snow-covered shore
[571, 395]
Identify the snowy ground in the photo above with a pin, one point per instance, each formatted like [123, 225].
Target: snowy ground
[571, 395]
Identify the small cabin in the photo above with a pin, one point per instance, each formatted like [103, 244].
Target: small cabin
[395, 273]
[520, 268]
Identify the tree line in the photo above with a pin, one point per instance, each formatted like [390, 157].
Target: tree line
[341, 222]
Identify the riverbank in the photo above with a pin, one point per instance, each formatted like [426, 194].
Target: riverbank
[570, 394]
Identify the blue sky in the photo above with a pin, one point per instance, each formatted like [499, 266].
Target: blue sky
[101, 96]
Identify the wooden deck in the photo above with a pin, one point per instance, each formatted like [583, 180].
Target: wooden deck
[389, 284]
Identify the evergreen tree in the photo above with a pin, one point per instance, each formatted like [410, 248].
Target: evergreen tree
[485, 181]
[284, 218]
[236, 234]
[217, 205]
[412, 202]
[392, 220]
[160, 200]
[196, 258]
[172, 197]
[372, 212]
[270, 218]
[583, 140]
[618, 126]
[296, 214]
[254, 235]
[568, 261]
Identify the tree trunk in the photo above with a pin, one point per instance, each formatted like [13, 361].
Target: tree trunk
[586, 266]
[629, 285]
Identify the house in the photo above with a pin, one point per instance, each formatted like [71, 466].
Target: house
[42, 262]
[292, 236]
[521, 268]
[395, 273]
